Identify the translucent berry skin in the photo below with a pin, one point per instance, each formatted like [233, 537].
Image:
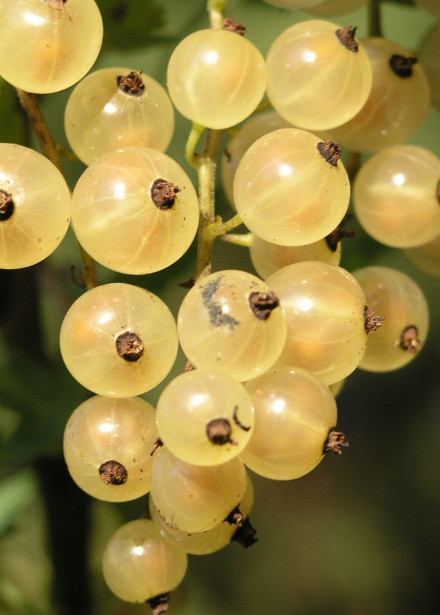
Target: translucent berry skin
[294, 413]
[396, 107]
[324, 307]
[201, 543]
[293, 4]
[100, 117]
[286, 192]
[41, 207]
[270, 257]
[430, 60]
[139, 564]
[92, 326]
[116, 220]
[426, 257]
[216, 78]
[187, 406]
[219, 330]
[53, 48]
[313, 80]
[398, 299]
[331, 8]
[196, 498]
[103, 429]
[254, 128]
[395, 196]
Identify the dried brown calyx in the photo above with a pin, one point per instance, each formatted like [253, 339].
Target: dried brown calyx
[131, 84]
[163, 193]
[372, 320]
[346, 38]
[159, 604]
[336, 236]
[409, 339]
[113, 472]
[129, 346]
[245, 534]
[219, 431]
[232, 26]
[56, 4]
[402, 66]
[262, 304]
[335, 442]
[331, 152]
[7, 205]
[437, 191]
[235, 517]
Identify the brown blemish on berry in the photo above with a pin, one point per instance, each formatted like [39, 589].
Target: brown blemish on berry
[409, 339]
[7, 205]
[346, 38]
[372, 321]
[331, 152]
[164, 193]
[335, 442]
[113, 472]
[130, 346]
[402, 66]
[437, 191]
[131, 84]
[262, 304]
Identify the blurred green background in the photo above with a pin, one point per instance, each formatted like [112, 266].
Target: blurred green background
[359, 535]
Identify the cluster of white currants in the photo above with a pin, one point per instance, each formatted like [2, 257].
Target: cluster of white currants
[263, 351]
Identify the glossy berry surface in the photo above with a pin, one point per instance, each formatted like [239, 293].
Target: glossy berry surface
[54, 47]
[216, 78]
[118, 340]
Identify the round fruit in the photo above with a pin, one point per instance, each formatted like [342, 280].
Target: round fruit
[291, 188]
[119, 340]
[108, 445]
[318, 75]
[35, 207]
[216, 78]
[231, 321]
[138, 564]
[135, 210]
[115, 108]
[48, 45]
[204, 417]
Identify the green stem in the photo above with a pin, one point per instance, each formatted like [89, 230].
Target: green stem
[217, 9]
[244, 239]
[207, 165]
[50, 149]
[193, 140]
[219, 228]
